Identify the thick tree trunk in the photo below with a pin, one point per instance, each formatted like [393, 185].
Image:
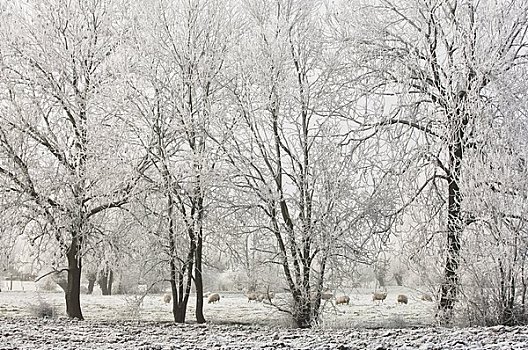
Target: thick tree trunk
[302, 312]
[180, 286]
[73, 303]
[181, 290]
[102, 283]
[179, 304]
[179, 311]
[106, 278]
[198, 279]
[455, 224]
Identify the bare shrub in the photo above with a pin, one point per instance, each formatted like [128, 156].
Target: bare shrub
[134, 304]
[43, 309]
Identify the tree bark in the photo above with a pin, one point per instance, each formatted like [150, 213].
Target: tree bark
[102, 283]
[198, 251]
[198, 279]
[399, 279]
[73, 303]
[92, 278]
[179, 303]
[302, 312]
[110, 282]
[106, 278]
[449, 286]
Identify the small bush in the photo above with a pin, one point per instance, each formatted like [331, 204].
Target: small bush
[134, 304]
[43, 310]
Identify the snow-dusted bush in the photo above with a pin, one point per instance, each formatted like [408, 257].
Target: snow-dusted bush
[43, 309]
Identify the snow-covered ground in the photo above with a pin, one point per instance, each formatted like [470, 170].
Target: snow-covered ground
[233, 308]
[26, 333]
[115, 322]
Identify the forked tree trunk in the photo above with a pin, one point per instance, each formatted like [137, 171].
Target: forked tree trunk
[179, 304]
[106, 278]
[180, 286]
[181, 290]
[73, 303]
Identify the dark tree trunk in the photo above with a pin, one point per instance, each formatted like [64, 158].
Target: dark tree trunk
[92, 278]
[198, 279]
[181, 290]
[399, 279]
[180, 286]
[302, 312]
[449, 287]
[180, 295]
[179, 302]
[179, 311]
[320, 284]
[381, 280]
[455, 224]
[106, 278]
[73, 303]
[101, 281]
[110, 282]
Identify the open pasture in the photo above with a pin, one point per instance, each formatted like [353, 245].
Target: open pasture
[233, 308]
[117, 322]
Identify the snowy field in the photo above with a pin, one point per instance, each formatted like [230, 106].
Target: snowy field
[116, 322]
[233, 308]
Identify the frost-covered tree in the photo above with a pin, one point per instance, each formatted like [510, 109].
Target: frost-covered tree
[311, 187]
[432, 73]
[177, 98]
[61, 133]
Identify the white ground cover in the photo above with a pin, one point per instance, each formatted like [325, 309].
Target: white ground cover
[31, 333]
[116, 322]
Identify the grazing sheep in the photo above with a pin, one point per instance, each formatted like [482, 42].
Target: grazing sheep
[379, 296]
[427, 297]
[253, 297]
[326, 295]
[167, 298]
[343, 299]
[402, 299]
[213, 298]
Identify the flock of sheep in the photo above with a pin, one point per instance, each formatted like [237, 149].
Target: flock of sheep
[401, 299]
[378, 297]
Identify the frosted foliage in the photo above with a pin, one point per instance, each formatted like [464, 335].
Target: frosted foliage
[304, 149]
